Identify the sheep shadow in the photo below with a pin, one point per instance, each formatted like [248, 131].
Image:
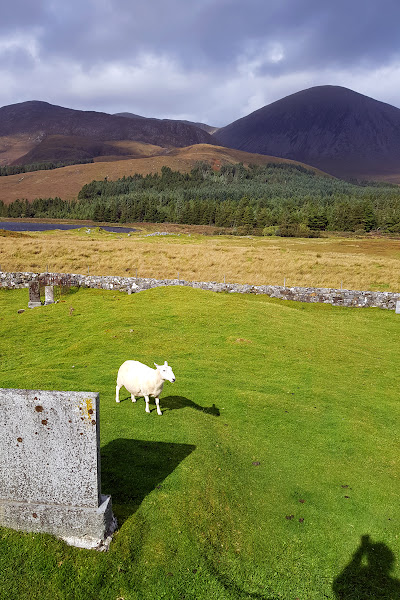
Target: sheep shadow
[178, 402]
[131, 469]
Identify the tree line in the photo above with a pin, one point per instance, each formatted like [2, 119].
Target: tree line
[277, 198]
[41, 166]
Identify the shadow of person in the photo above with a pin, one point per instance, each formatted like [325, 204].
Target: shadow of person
[367, 576]
[177, 402]
[132, 469]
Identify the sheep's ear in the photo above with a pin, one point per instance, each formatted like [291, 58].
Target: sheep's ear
[156, 365]
[165, 364]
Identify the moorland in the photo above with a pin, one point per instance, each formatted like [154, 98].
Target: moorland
[142, 159]
[353, 262]
[285, 219]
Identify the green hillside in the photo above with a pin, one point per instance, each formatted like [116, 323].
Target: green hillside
[276, 455]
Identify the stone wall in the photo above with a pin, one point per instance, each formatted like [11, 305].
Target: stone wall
[131, 285]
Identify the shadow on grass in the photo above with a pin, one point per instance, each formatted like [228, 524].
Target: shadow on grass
[131, 469]
[368, 574]
[235, 590]
[366, 577]
[177, 402]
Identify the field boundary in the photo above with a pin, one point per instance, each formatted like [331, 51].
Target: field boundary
[336, 297]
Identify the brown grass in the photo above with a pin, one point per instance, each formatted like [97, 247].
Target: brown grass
[6, 233]
[67, 181]
[13, 147]
[367, 264]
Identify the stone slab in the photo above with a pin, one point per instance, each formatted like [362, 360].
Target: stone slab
[50, 464]
[77, 525]
[34, 294]
[49, 294]
[398, 307]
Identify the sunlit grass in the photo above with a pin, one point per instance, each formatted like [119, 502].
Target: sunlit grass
[352, 263]
[269, 499]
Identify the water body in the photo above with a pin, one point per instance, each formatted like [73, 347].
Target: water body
[27, 226]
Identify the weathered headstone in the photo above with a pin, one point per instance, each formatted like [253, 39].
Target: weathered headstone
[50, 466]
[49, 294]
[398, 307]
[34, 294]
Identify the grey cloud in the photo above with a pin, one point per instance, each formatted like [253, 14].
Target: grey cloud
[212, 33]
[213, 44]
[22, 14]
[355, 33]
[18, 60]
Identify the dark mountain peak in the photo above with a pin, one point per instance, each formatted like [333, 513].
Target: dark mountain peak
[330, 127]
[29, 104]
[329, 98]
[33, 106]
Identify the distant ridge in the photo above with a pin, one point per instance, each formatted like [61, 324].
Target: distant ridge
[204, 126]
[333, 128]
[128, 115]
[38, 120]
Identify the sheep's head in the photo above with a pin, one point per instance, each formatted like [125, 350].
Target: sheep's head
[166, 372]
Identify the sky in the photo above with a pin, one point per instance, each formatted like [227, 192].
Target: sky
[212, 61]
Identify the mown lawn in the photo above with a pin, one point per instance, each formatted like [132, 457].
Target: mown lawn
[278, 449]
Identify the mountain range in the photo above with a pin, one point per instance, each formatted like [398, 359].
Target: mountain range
[31, 126]
[337, 130]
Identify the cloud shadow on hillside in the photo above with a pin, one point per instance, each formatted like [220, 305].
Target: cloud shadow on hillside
[132, 469]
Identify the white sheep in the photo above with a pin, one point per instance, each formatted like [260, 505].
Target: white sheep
[141, 380]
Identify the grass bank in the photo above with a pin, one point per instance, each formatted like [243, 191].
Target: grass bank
[278, 449]
[354, 263]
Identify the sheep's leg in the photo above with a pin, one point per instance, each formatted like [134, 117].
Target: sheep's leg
[158, 406]
[133, 398]
[117, 393]
[147, 400]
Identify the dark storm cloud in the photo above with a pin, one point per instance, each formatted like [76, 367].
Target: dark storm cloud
[350, 32]
[200, 59]
[215, 32]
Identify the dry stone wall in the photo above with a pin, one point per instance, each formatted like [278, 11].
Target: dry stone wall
[348, 298]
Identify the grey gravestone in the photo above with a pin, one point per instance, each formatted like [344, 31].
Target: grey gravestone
[49, 294]
[50, 466]
[34, 294]
[398, 307]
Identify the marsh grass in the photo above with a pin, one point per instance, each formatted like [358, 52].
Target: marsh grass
[354, 263]
[277, 451]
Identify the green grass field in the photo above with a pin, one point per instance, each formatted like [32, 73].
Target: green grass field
[277, 451]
